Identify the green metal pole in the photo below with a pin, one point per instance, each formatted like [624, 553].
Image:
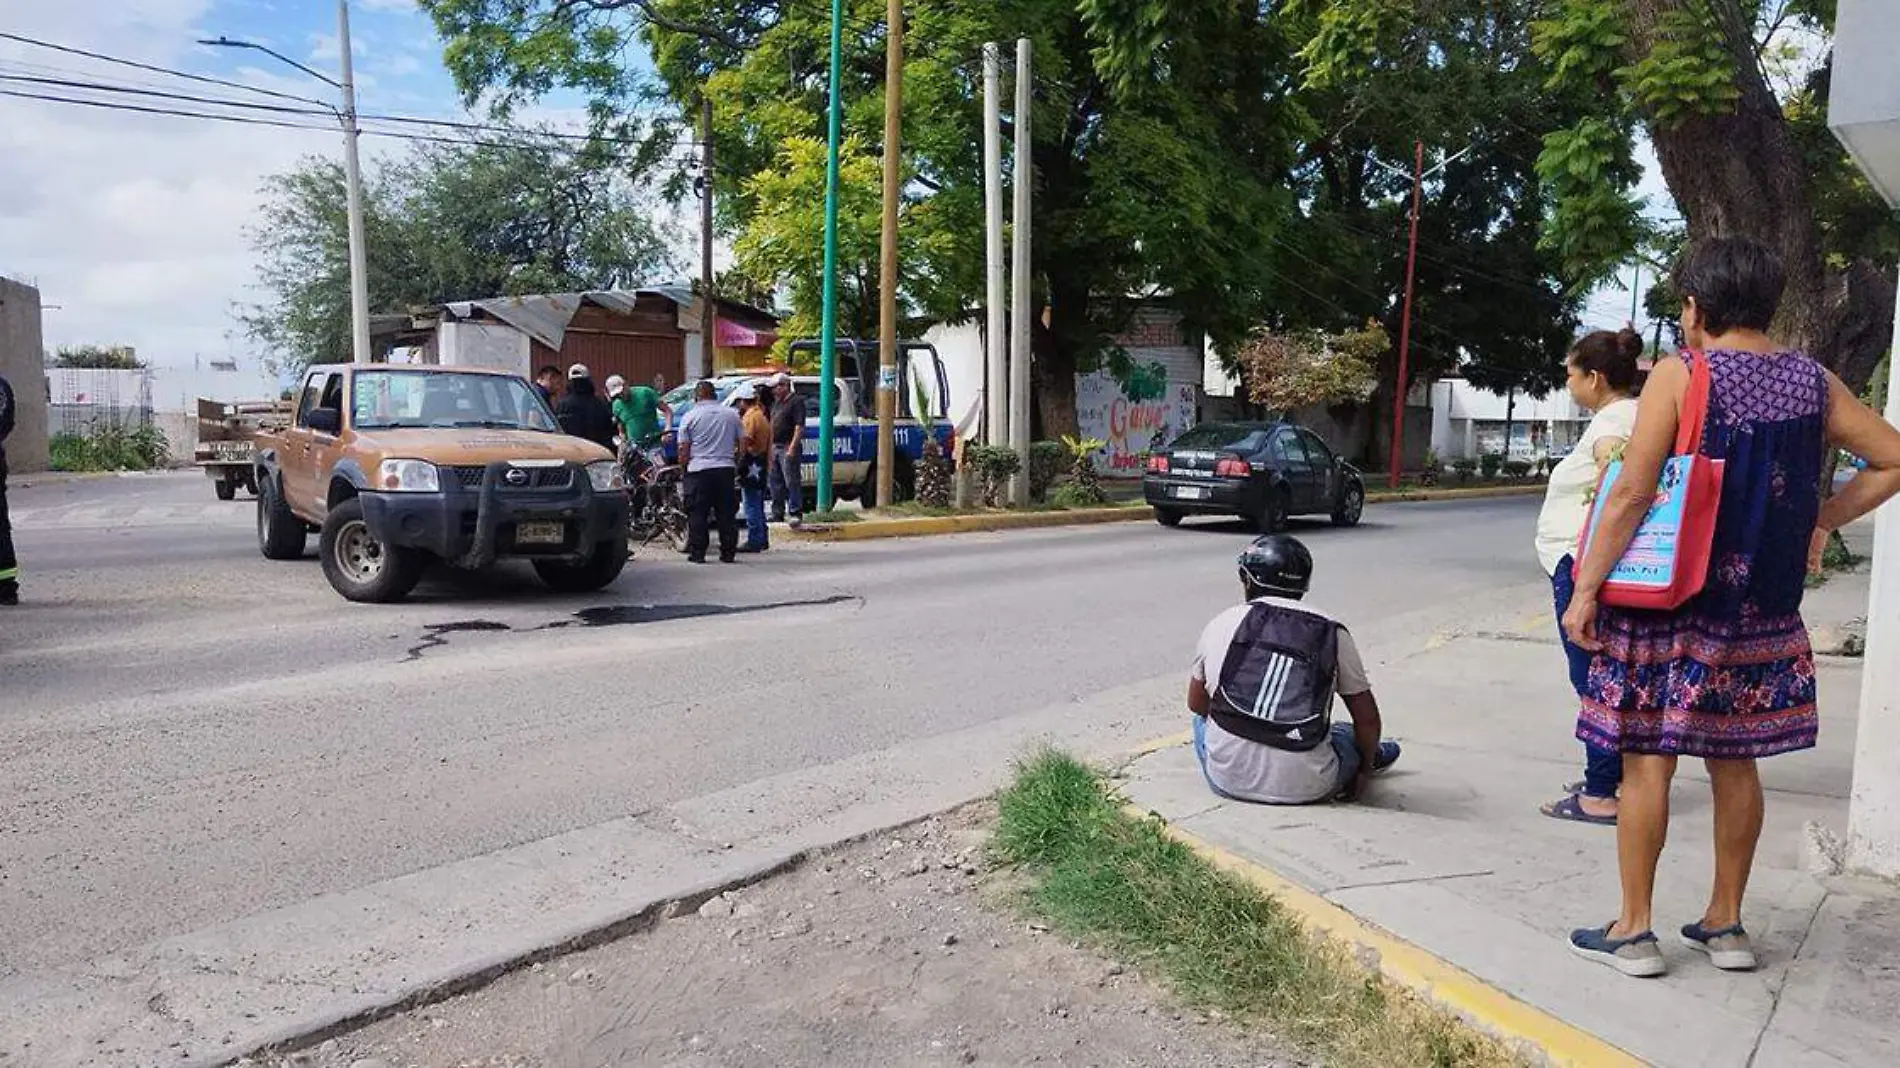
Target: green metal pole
[828, 344]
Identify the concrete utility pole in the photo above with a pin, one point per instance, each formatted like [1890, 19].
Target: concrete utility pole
[1022, 312]
[352, 171]
[708, 306]
[353, 175]
[887, 256]
[995, 339]
[1864, 113]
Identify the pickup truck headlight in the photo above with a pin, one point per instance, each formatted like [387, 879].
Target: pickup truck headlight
[606, 476]
[407, 476]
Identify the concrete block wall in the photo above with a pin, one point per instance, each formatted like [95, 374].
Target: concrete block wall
[22, 360]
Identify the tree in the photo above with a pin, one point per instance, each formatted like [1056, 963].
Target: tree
[1156, 168]
[1286, 372]
[1692, 76]
[99, 357]
[444, 223]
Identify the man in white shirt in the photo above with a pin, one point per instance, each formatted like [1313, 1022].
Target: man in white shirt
[709, 436]
[1265, 673]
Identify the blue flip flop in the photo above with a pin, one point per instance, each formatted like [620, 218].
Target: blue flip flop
[1572, 809]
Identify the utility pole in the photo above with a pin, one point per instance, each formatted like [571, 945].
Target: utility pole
[995, 339]
[1636, 296]
[887, 257]
[1021, 312]
[708, 307]
[353, 177]
[828, 343]
[1417, 177]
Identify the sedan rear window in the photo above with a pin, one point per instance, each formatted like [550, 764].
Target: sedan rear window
[1233, 436]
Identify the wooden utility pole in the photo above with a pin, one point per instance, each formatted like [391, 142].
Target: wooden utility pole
[887, 259]
[708, 309]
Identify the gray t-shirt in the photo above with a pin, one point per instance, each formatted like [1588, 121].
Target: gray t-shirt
[711, 432]
[1255, 772]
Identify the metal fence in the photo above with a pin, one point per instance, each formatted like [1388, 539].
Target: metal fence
[83, 400]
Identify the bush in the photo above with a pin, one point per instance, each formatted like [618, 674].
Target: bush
[1490, 464]
[993, 466]
[1517, 469]
[1428, 475]
[110, 447]
[1067, 497]
[1084, 481]
[1465, 469]
[1046, 462]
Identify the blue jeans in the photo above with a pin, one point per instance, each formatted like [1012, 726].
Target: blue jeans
[787, 483]
[1345, 746]
[1602, 769]
[752, 499]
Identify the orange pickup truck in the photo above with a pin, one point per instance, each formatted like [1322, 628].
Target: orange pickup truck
[394, 465]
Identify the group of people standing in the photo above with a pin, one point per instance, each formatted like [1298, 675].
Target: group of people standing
[732, 457]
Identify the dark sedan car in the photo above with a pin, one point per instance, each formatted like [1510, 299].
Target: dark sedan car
[1262, 472]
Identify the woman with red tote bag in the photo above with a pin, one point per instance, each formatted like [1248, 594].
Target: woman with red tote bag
[1727, 673]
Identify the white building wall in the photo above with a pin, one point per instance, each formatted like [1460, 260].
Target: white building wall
[464, 343]
[965, 362]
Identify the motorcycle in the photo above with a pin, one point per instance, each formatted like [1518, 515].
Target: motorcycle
[656, 501]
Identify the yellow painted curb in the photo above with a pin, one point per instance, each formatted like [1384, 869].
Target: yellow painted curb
[967, 524]
[1415, 969]
[1476, 493]
[1156, 745]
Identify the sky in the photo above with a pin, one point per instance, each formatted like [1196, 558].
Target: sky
[134, 226]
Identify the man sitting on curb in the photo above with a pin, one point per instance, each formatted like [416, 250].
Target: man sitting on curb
[1262, 691]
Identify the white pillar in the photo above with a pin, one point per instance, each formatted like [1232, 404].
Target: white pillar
[1022, 310]
[1874, 811]
[995, 300]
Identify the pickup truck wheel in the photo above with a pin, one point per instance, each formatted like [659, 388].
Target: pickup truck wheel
[226, 489]
[359, 566]
[599, 571]
[280, 535]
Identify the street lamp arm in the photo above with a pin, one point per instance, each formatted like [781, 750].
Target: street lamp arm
[226, 42]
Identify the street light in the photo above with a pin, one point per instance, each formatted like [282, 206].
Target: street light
[1864, 113]
[352, 171]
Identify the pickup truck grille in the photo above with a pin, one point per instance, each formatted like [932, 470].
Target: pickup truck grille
[538, 478]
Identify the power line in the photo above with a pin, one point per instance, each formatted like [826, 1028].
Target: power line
[103, 58]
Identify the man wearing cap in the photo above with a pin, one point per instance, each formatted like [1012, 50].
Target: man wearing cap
[641, 413]
[788, 442]
[755, 454]
[581, 411]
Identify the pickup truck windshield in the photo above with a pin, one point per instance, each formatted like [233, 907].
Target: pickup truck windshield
[388, 400]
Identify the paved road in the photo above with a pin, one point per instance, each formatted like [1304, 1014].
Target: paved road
[190, 733]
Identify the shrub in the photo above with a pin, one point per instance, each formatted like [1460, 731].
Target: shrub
[1046, 461]
[993, 466]
[110, 447]
[1465, 469]
[1517, 469]
[1085, 482]
[1490, 464]
[1069, 496]
[1428, 475]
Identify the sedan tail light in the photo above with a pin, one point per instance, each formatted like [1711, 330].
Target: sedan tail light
[1158, 464]
[1232, 467]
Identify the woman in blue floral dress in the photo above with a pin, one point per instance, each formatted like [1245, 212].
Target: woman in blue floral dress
[1729, 676]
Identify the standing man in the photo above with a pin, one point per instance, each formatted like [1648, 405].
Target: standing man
[709, 436]
[9, 565]
[582, 413]
[755, 455]
[547, 380]
[788, 443]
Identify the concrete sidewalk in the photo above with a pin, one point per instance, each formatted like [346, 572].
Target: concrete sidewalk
[1451, 855]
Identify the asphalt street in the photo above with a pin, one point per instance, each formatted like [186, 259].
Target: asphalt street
[190, 734]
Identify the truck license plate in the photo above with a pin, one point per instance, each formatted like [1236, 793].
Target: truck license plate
[540, 533]
[1191, 493]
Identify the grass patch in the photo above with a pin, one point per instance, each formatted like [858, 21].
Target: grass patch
[1094, 871]
[834, 516]
[914, 510]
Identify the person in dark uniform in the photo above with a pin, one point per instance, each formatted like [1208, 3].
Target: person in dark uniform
[9, 564]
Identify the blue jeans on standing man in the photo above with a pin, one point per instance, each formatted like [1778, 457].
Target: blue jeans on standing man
[752, 499]
[787, 484]
[1602, 768]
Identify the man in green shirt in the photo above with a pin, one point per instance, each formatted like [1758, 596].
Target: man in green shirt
[642, 415]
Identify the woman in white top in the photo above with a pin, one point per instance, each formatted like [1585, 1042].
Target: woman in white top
[1603, 378]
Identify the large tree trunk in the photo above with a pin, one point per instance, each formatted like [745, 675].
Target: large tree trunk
[1740, 173]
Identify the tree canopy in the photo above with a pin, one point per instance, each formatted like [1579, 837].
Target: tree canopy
[445, 223]
[98, 357]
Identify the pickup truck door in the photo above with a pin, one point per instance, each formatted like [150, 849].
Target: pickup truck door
[326, 449]
[293, 458]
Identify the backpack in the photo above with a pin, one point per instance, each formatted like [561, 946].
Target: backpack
[1276, 684]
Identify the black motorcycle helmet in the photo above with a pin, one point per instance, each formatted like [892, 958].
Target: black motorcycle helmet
[1276, 564]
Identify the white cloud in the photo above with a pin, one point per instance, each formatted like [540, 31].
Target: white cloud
[134, 225]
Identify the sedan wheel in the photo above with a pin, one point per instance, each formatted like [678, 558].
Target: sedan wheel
[1275, 512]
[1352, 505]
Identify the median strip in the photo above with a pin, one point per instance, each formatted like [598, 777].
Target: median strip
[874, 525]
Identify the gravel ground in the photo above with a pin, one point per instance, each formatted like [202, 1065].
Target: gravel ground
[897, 951]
